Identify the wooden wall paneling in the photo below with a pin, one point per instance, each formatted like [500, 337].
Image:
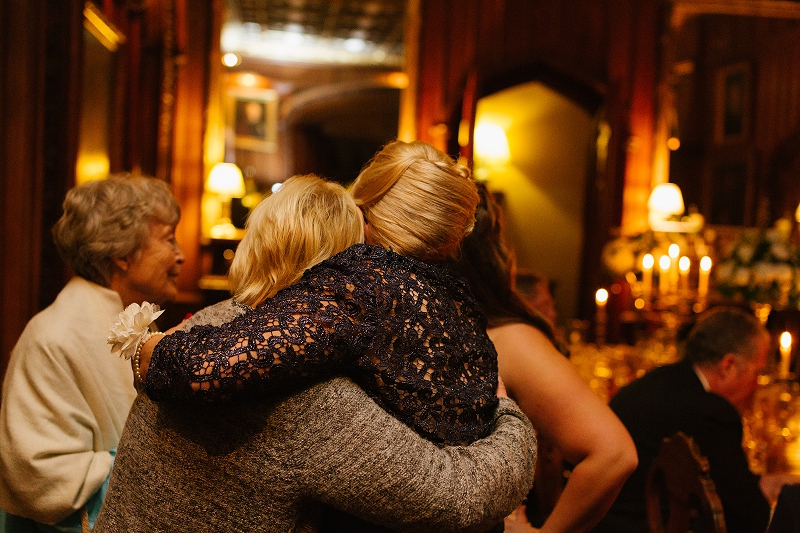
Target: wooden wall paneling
[132, 97]
[171, 57]
[594, 37]
[776, 134]
[458, 57]
[645, 32]
[39, 47]
[522, 22]
[432, 85]
[61, 102]
[407, 123]
[188, 130]
[489, 38]
[21, 80]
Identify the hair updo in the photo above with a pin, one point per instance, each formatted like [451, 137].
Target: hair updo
[417, 200]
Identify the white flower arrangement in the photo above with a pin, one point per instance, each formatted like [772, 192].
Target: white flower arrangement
[133, 326]
[762, 266]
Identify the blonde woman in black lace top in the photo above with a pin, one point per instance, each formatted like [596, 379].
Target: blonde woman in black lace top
[389, 314]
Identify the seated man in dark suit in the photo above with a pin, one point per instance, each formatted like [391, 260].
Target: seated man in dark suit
[703, 395]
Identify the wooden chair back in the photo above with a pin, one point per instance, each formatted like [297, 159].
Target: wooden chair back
[680, 495]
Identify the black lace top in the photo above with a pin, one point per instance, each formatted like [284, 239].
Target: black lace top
[407, 331]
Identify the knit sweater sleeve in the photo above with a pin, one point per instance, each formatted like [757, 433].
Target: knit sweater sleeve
[377, 469]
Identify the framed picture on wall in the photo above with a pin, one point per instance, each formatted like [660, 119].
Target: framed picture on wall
[732, 96]
[253, 119]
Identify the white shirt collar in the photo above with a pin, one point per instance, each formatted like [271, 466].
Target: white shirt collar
[701, 377]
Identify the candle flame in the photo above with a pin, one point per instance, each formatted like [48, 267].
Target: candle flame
[601, 297]
[684, 264]
[705, 263]
[786, 340]
[664, 262]
[648, 261]
[674, 250]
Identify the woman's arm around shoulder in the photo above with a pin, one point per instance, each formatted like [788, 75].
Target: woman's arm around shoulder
[563, 408]
[362, 460]
[293, 338]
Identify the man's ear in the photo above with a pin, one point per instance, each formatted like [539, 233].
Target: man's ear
[727, 364]
[120, 263]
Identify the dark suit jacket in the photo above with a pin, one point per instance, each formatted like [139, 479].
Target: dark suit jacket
[670, 399]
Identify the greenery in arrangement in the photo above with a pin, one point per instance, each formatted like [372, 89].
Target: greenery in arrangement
[763, 266]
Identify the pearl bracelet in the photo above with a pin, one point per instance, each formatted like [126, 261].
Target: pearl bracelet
[137, 356]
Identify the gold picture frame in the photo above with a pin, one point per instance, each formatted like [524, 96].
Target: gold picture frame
[253, 119]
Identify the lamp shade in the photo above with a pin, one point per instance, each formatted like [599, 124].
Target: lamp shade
[666, 198]
[225, 179]
[491, 144]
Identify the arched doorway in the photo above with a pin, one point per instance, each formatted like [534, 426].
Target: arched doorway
[543, 185]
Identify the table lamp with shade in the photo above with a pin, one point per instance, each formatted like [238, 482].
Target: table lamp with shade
[226, 181]
[665, 205]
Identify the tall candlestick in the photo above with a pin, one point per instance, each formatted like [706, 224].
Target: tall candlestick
[673, 251]
[683, 265]
[600, 298]
[786, 355]
[705, 271]
[647, 277]
[663, 275]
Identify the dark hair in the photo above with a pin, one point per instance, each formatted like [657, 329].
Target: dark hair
[721, 331]
[489, 266]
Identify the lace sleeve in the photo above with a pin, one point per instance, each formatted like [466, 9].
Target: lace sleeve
[293, 338]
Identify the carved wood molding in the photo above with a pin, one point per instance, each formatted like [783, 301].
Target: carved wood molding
[683, 9]
[166, 114]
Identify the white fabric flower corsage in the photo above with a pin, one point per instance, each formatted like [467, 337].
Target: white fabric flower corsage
[132, 326]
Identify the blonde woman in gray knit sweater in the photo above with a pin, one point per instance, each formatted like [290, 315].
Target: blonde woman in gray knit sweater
[271, 465]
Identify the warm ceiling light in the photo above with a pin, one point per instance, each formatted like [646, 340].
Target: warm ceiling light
[248, 80]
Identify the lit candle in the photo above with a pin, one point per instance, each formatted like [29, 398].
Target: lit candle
[600, 298]
[674, 251]
[663, 275]
[705, 270]
[786, 354]
[683, 265]
[647, 277]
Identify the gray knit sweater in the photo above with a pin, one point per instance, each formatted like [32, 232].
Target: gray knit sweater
[270, 466]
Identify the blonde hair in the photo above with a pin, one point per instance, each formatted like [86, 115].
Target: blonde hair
[307, 221]
[417, 200]
[110, 218]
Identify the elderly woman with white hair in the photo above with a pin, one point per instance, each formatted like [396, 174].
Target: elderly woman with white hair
[65, 400]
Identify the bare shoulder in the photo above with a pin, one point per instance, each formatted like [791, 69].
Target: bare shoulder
[519, 334]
